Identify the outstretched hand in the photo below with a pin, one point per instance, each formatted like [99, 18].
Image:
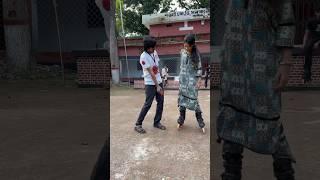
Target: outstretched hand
[282, 78]
[198, 85]
[160, 90]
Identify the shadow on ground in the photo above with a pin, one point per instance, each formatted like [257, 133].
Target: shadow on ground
[50, 131]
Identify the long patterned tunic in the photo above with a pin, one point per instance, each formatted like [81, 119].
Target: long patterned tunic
[249, 108]
[188, 77]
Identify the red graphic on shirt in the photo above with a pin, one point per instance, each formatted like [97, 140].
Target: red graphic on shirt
[155, 69]
[143, 63]
[106, 4]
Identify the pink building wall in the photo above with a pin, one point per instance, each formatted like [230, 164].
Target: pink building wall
[176, 48]
[169, 38]
[131, 51]
[167, 49]
[165, 30]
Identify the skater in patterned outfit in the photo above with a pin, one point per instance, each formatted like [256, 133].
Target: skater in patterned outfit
[311, 39]
[189, 80]
[255, 66]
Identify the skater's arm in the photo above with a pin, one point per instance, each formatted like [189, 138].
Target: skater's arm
[145, 63]
[153, 76]
[199, 71]
[199, 83]
[282, 76]
[286, 30]
[285, 34]
[154, 79]
[286, 56]
[306, 36]
[284, 41]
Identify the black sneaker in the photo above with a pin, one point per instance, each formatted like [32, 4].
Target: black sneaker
[139, 129]
[160, 126]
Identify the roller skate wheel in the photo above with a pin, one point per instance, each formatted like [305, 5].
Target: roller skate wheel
[203, 130]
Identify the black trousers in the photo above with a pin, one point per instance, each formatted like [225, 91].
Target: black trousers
[308, 51]
[151, 93]
[232, 155]
[206, 82]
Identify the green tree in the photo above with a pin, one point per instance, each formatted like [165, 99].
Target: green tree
[111, 43]
[118, 18]
[194, 4]
[134, 9]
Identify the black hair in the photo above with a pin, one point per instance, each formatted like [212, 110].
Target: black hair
[148, 42]
[191, 40]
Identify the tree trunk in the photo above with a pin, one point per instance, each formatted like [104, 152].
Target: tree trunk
[114, 45]
[111, 40]
[106, 17]
[17, 30]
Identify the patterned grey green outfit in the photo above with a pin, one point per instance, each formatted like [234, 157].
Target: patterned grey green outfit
[249, 112]
[188, 78]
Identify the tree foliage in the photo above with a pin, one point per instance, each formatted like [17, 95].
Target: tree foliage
[117, 15]
[134, 9]
[194, 4]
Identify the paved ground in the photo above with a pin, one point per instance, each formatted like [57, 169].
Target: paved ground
[44, 129]
[49, 132]
[169, 154]
[301, 116]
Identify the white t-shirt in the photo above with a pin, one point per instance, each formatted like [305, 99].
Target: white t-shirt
[150, 61]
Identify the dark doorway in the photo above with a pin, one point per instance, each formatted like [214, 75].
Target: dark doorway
[2, 40]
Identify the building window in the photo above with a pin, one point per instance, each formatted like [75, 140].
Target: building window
[186, 27]
[172, 64]
[94, 17]
[139, 68]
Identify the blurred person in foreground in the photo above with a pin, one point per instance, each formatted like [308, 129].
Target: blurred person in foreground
[256, 60]
[100, 171]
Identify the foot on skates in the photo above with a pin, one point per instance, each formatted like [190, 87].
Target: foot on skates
[181, 118]
[200, 121]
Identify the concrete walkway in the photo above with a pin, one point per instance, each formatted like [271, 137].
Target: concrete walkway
[169, 154]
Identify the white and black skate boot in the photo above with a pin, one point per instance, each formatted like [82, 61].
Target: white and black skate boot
[181, 118]
[200, 121]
